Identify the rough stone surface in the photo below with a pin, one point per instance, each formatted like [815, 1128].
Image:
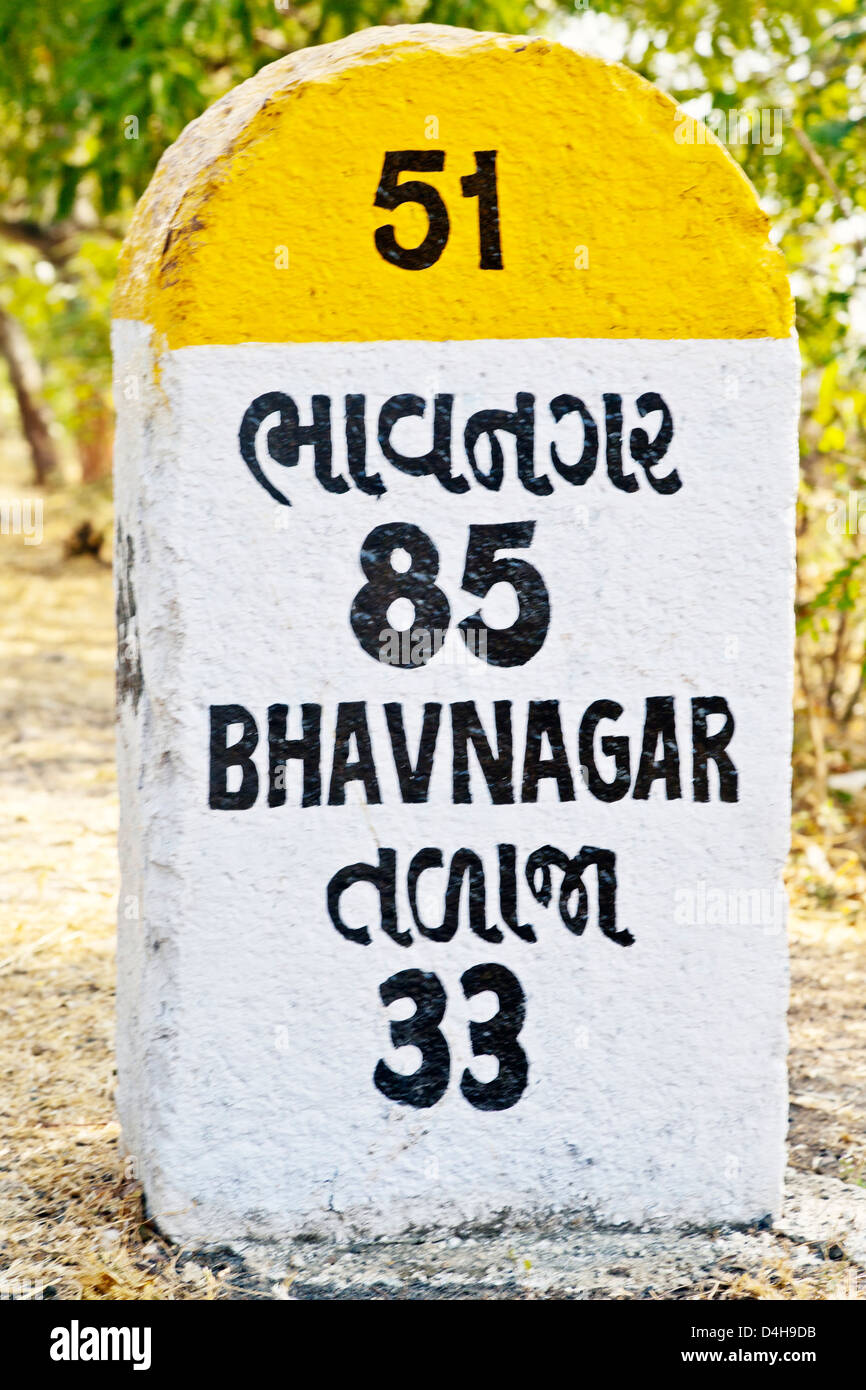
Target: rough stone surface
[818, 1243]
[249, 1026]
[591, 158]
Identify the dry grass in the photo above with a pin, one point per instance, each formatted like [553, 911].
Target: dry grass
[70, 1218]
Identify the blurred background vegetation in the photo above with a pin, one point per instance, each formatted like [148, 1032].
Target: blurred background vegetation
[92, 92]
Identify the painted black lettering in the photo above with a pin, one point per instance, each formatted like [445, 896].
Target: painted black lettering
[508, 893]
[496, 1037]
[706, 747]
[521, 424]
[352, 724]
[543, 722]
[356, 448]
[414, 781]
[383, 877]
[626, 482]
[427, 1085]
[224, 755]
[649, 454]
[659, 722]
[576, 473]
[437, 460]
[281, 749]
[465, 729]
[612, 745]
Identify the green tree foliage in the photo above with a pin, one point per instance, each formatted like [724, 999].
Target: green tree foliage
[100, 87]
[91, 93]
[805, 62]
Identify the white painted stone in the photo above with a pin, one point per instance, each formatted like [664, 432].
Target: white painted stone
[249, 1027]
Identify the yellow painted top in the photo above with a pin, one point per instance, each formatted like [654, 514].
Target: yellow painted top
[619, 217]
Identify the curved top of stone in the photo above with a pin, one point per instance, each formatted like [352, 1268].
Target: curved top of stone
[620, 216]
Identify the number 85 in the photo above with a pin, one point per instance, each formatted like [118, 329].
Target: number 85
[510, 646]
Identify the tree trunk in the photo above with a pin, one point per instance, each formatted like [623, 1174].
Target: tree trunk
[95, 438]
[25, 375]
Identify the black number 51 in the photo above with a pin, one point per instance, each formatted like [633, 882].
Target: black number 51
[390, 194]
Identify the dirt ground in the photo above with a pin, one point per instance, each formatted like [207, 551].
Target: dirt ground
[72, 1223]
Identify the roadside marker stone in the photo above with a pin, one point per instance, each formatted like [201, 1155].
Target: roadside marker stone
[456, 462]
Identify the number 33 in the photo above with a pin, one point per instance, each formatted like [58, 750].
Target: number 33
[495, 1037]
